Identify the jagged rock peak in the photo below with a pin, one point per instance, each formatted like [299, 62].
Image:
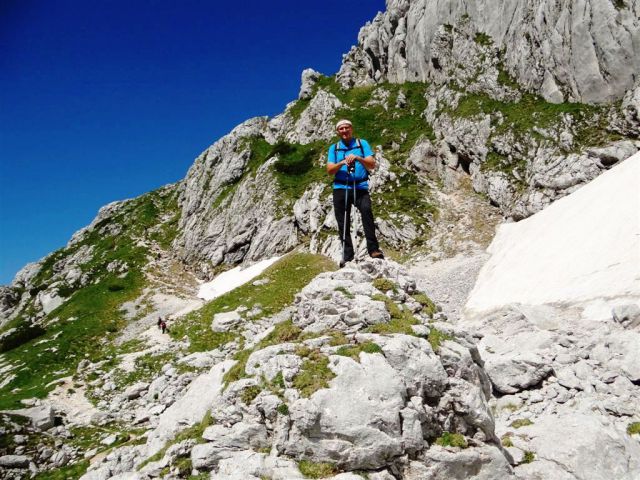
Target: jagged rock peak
[309, 78]
[583, 51]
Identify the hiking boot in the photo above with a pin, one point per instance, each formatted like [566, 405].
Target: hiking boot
[377, 254]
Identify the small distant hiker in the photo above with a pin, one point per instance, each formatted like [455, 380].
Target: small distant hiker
[350, 161]
[159, 322]
[163, 326]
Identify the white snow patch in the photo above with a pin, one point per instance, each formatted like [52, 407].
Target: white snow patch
[227, 281]
[583, 247]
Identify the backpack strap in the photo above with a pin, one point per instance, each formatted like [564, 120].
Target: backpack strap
[335, 153]
[360, 146]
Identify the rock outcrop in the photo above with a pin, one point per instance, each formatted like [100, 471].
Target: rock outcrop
[391, 393]
[585, 51]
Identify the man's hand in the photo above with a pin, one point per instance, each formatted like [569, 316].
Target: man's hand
[349, 159]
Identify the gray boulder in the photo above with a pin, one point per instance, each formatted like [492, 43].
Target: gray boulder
[627, 315]
[596, 450]
[14, 461]
[438, 463]
[225, 321]
[41, 417]
[518, 372]
[356, 422]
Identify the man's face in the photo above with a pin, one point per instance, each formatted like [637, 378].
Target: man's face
[345, 132]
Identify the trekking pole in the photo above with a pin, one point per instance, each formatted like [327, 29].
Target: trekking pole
[355, 253]
[344, 222]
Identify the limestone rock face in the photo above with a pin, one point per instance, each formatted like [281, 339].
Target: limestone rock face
[242, 227]
[315, 122]
[584, 51]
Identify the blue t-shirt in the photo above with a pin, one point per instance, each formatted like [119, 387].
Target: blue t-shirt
[343, 175]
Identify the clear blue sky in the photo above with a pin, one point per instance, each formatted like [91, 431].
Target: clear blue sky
[106, 100]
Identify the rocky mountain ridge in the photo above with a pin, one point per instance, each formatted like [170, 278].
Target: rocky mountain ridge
[245, 386]
[585, 51]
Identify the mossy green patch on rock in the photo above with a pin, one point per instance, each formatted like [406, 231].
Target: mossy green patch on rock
[237, 372]
[385, 285]
[353, 351]
[283, 332]
[436, 338]
[194, 432]
[401, 319]
[345, 292]
[297, 108]
[249, 393]
[383, 122]
[146, 368]
[633, 428]
[337, 338]
[68, 472]
[521, 422]
[429, 307]
[316, 470]
[295, 169]
[483, 39]
[506, 441]
[448, 439]
[410, 199]
[314, 375]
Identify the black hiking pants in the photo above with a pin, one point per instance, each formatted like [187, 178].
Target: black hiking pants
[362, 203]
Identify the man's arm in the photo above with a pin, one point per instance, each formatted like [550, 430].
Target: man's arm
[368, 162]
[332, 168]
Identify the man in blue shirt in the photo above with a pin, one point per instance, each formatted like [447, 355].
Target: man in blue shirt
[350, 161]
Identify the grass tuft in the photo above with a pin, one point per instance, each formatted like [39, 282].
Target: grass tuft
[436, 337]
[385, 285]
[314, 375]
[483, 39]
[248, 394]
[429, 307]
[316, 470]
[506, 441]
[448, 439]
[353, 351]
[521, 422]
[633, 428]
